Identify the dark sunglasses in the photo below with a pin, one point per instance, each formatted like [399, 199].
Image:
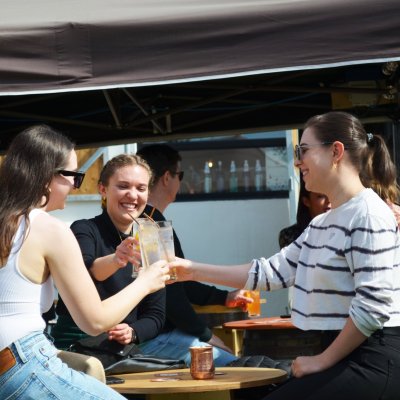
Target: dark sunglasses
[298, 149]
[179, 173]
[78, 176]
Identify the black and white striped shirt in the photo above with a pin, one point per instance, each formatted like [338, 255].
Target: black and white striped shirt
[346, 263]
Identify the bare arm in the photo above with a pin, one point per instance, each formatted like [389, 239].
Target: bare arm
[347, 341]
[229, 275]
[62, 254]
[104, 267]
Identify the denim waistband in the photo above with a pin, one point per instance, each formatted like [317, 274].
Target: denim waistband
[22, 348]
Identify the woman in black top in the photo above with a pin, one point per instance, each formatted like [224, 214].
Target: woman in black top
[107, 250]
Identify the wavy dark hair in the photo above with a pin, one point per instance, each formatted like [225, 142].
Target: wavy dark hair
[370, 156]
[31, 161]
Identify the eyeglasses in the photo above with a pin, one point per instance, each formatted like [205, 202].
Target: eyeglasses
[78, 176]
[179, 173]
[300, 149]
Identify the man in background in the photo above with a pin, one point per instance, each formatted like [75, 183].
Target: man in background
[184, 327]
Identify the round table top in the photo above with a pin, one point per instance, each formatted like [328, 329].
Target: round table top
[226, 378]
[261, 323]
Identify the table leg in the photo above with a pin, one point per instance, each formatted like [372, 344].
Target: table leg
[215, 395]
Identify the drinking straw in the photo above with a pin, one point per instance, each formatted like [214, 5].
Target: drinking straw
[148, 217]
[134, 219]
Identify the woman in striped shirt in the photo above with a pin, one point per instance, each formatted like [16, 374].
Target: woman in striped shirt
[344, 267]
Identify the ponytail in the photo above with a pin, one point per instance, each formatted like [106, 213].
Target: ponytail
[379, 172]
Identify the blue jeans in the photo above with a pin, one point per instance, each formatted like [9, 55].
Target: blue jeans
[175, 344]
[40, 374]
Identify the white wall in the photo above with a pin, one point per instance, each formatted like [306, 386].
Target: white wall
[233, 232]
[219, 232]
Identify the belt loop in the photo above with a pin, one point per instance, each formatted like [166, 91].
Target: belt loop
[381, 336]
[20, 351]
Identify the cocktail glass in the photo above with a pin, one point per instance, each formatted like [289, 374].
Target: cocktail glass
[150, 246]
[166, 235]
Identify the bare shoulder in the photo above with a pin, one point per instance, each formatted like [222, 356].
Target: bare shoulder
[49, 230]
[43, 240]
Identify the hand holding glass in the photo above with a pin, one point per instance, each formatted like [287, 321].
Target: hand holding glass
[254, 308]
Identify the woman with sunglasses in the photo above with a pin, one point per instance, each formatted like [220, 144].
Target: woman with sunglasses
[106, 245]
[344, 267]
[36, 249]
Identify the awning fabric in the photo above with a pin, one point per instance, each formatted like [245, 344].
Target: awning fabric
[56, 46]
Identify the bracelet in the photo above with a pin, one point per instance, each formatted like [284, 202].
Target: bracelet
[134, 336]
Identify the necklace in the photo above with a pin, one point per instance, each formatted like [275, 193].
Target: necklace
[119, 233]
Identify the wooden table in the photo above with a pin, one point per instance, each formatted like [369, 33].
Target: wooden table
[187, 388]
[261, 324]
[276, 337]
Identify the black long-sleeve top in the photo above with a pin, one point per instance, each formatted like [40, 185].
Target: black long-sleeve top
[181, 296]
[98, 237]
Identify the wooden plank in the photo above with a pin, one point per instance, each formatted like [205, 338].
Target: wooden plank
[89, 185]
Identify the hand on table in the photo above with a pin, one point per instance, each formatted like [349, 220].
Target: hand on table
[237, 298]
[217, 342]
[121, 333]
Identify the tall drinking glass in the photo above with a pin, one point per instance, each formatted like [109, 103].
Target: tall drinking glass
[166, 236]
[150, 246]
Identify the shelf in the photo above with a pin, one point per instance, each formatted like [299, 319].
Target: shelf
[266, 194]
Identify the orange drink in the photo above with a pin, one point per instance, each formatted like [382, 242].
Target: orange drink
[254, 308]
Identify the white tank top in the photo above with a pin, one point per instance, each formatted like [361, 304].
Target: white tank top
[22, 302]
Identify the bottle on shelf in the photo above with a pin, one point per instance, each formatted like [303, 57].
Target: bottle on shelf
[246, 176]
[258, 177]
[207, 178]
[220, 178]
[233, 180]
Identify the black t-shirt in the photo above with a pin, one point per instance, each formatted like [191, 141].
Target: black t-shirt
[98, 237]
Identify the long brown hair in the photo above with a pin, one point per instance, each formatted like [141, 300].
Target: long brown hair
[30, 163]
